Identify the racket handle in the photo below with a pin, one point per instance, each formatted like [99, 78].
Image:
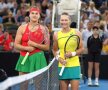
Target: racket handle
[61, 71]
[25, 58]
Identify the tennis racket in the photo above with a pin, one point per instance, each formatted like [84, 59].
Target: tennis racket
[72, 39]
[39, 36]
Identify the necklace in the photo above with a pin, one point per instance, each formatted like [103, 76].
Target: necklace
[33, 27]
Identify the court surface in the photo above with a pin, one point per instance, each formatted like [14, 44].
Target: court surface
[103, 86]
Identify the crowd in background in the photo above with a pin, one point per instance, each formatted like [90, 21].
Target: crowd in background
[16, 12]
[94, 13]
[13, 13]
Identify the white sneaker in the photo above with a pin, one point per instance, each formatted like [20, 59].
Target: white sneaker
[90, 83]
[96, 83]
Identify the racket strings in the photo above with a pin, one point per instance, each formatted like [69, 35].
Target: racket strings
[73, 39]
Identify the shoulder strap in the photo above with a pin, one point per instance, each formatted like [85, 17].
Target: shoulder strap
[27, 29]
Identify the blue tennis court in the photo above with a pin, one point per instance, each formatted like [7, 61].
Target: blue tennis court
[103, 86]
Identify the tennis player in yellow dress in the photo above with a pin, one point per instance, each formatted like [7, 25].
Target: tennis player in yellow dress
[70, 58]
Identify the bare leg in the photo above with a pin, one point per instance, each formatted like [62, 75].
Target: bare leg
[22, 73]
[96, 70]
[64, 84]
[74, 84]
[90, 68]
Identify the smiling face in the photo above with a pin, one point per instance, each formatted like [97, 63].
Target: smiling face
[65, 21]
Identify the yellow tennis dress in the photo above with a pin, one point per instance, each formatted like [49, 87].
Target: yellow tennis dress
[72, 68]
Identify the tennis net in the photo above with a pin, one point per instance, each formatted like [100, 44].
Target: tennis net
[44, 79]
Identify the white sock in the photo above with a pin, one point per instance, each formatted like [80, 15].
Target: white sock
[96, 79]
[89, 79]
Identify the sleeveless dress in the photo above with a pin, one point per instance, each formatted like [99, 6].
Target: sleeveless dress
[36, 59]
[72, 68]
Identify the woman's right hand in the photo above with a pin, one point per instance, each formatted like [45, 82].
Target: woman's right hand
[62, 61]
[30, 49]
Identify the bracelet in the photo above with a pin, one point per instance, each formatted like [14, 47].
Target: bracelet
[73, 53]
[57, 57]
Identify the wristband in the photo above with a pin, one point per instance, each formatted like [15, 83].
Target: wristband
[57, 57]
[73, 53]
